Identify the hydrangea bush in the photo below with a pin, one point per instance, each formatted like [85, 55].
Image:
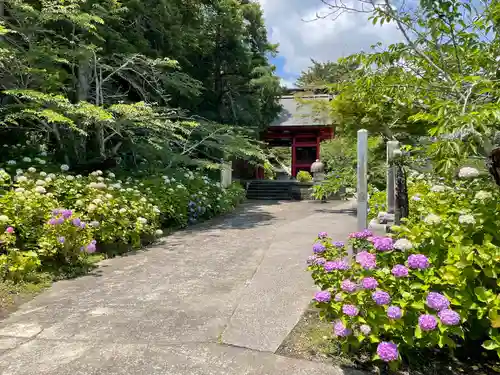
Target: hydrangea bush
[48, 214]
[432, 284]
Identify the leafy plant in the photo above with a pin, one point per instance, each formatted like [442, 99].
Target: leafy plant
[304, 176]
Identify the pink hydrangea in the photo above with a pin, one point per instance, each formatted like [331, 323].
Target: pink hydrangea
[369, 283]
[349, 286]
[399, 270]
[340, 330]
[427, 322]
[367, 260]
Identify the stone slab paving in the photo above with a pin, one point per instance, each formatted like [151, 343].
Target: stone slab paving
[215, 299]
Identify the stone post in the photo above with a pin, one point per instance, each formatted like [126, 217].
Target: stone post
[362, 186]
[226, 174]
[391, 177]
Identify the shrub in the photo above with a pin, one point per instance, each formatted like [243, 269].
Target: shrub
[304, 176]
[433, 285]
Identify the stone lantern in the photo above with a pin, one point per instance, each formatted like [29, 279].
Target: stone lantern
[318, 172]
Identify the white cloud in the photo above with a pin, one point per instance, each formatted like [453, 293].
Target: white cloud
[323, 39]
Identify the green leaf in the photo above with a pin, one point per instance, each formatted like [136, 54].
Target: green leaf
[418, 332]
[490, 345]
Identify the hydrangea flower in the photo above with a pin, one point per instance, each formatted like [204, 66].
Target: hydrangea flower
[349, 286]
[311, 259]
[468, 172]
[9, 230]
[91, 248]
[322, 235]
[64, 167]
[438, 188]
[318, 248]
[338, 244]
[381, 298]
[367, 260]
[336, 265]
[388, 351]
[449, 317]
[427, 322]
[403, 244]
[365, 329]
[483, 195]
[394, 312]
[350, 310]
[142, 220]
[383, 243]
[364, 234]
[40, 190]
[466, 219]
[323, 296]
[432, 219]
[400, 271]
[320, 261]
[61, 239]
[369, 283]
[4, 219]
[338, 297]
[418, 261]
[340, 330]
[437, 301]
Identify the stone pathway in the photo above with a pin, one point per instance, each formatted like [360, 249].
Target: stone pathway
[216, 299]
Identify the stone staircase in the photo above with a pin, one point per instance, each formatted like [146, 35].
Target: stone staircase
[272, 190]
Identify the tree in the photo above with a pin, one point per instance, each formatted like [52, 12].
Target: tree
[320, 74]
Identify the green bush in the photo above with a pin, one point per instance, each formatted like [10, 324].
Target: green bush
[56, 219]
[304, 176]
[434, 284]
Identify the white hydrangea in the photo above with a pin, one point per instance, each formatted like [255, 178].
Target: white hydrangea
[64, 167]
[21, 178]
[466, 219]
[79, 202]
[97, 173]
[94, 224]
[31, 170]
[48, 179]
[109, 196]
[91, 208]
[4, 219]
[97, 201]
[43, 153]
[27, 159]
[20, 190]
[432, 219]
[78, 176]
[143, 199]
[483, 195]
[50, 195]
[52, 175]
[403, 244]
[40, 182]
[122, 210]
[468, 172]
[11, 162]
[158, 232]
[42, 162]
[40, 189]
[142, 220]
[43, 174]
[70, 177]
[19, 172]
[438, 188]
[101, 179]
[156, 209]
[111, 175]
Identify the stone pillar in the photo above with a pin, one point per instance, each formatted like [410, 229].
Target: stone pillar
[226, 174]
[391, 177]
[362, 186]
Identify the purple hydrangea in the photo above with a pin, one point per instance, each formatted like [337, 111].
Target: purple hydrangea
[399, 270]
[381, 298]
[320, 261]
[322, 235]
[338, 244]
[350, 310]
[66, 214]
[388, 351]
[367, 260]
[319, 248]
[364, 234]
[339, 297]
[91, 248]
[349, 286]
[340, 330]
[369, 283]
[449, 317]
[427, 322]
[311, 259]
[365, 329]
[60, 220]
[52, 221]
[437, 301]
[336, 265]
[76, 222]
[394, 312]
[323, 296]
[61, 239]
[418, 261]
[56, 212]
[383, 243]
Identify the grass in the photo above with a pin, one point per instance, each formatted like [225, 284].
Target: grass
[312, 340]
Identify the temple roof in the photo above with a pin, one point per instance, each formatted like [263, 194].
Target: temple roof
[295, 113]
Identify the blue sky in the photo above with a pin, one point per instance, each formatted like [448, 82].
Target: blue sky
[322, 40]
